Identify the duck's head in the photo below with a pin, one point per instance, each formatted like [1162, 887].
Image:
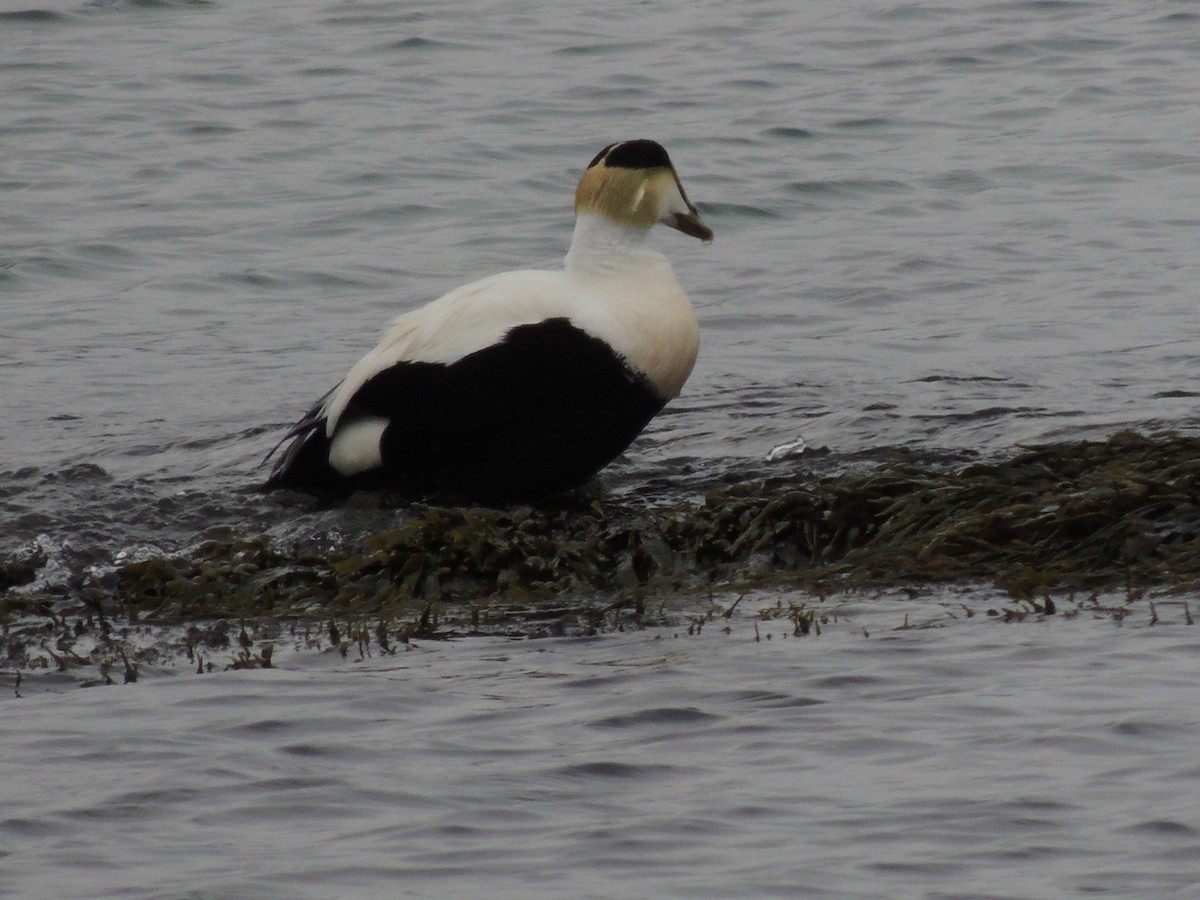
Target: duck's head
[633, 183]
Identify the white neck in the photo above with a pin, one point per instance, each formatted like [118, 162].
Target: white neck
[600, 244]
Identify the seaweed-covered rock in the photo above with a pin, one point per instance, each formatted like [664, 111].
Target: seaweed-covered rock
[1071, 515]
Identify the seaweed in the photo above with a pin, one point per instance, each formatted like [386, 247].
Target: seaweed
[1080, 517]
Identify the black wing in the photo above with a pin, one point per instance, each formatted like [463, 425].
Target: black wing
[539, 412]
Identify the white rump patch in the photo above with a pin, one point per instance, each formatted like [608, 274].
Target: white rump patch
[356, 446]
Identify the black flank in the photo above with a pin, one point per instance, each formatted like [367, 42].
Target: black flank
[536, 414]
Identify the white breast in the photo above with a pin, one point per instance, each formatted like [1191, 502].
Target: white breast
[638, 308]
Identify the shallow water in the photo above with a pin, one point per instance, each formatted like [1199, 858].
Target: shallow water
[938, 227]
[978, 759]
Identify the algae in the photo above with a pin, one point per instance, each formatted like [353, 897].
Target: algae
[1068, 517]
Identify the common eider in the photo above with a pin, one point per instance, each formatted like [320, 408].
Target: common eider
[526, 383]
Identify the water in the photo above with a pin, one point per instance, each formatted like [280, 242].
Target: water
[969, 761]
[938, 227]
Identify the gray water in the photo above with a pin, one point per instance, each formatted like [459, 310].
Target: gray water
[962, 226]
[969, 761]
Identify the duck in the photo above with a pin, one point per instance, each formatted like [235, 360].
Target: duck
[524, 384]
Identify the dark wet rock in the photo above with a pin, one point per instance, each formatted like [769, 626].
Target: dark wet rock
[21, 570]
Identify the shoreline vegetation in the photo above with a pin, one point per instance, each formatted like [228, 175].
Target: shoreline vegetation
[1049, 527]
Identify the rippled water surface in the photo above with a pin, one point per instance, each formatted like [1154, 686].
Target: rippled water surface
[975, 760]
[967, 761]
[958, 226]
